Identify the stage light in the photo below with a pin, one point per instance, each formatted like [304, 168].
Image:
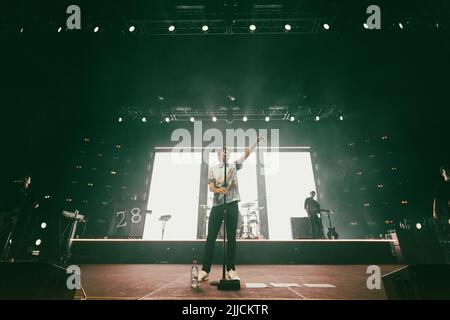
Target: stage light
[21, 30]
[144, 119]
[365, 25]
[244, 119]
[400, 25]
[291, 118]
[418, 226]
[59, 29]
[172, 28]
[214, 119]
[38, 242]
[317, 118]
[326, 26]
[120, 119]
[341, 118]
[231, 98]
[167, 119]
[96, 29]
[131, 28]
[252, 27]
[267, 119]
[192, 119]
[287, 27]
[43, 225]
[205, 28]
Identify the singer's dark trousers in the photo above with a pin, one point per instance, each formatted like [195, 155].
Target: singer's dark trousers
[214, 224]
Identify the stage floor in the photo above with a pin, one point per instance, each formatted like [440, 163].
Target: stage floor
[172, 282]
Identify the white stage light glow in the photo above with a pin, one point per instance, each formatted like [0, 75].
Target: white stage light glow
[287, 188]
[174, 191]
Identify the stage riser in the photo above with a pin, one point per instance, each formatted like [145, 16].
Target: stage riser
[289, 252]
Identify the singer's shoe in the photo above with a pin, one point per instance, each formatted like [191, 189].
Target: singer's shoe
[232, 275]
[203, 276]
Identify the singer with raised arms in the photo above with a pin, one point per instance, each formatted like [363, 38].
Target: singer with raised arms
[227, 190]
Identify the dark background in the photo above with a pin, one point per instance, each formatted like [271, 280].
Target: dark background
[59, 89]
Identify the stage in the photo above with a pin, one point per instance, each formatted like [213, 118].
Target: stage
[355, 251]
[172, 282]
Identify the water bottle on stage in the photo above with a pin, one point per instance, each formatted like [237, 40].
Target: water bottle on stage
[194, 277]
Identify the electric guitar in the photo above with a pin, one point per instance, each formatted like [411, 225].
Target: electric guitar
[332, 233]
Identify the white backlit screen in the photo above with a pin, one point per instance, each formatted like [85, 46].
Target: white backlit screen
[174, 191]
[287, 186]
[175, 187]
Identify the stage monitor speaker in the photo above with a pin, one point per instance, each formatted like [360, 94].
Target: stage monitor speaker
[420, 247]
[301, 228]
[418, 282]
[33, 281]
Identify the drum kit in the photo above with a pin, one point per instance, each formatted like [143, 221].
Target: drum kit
[248, 223]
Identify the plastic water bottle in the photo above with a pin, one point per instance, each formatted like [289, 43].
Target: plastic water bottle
[194, 277]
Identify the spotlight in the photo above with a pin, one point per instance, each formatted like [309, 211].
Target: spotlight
[365, 25]
[418, 226]
[267, 119]
[192, 119]
[131, 28]
[96, 29]
[341, 118]
[317, 118]
[400, 25]
[59, 29]
[252, 27]
[43, 225]
[326, 26]
[21, 30]
[287, 27]
[167, 119]
[144, 119]
[244, 119]
[38, 242]
[120, 119]
[214, 119]
[231, 98]
[172, 28]
[291, 118]
[205, 28]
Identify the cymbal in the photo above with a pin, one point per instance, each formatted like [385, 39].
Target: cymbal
[165, 217]
[248, 205]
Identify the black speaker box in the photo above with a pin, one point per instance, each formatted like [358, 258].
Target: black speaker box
[34, 280]
[420, 247]
[301, 228]
[418, 282]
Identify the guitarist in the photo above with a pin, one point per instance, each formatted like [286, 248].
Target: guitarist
[312, 207]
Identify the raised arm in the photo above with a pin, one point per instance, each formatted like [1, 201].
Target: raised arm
[435, 214]
[249, 150]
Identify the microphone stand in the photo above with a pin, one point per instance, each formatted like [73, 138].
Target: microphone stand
[225, 284]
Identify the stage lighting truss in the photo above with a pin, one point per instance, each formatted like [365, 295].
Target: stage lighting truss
[237, 26]
[234, 17]
[231, 114]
